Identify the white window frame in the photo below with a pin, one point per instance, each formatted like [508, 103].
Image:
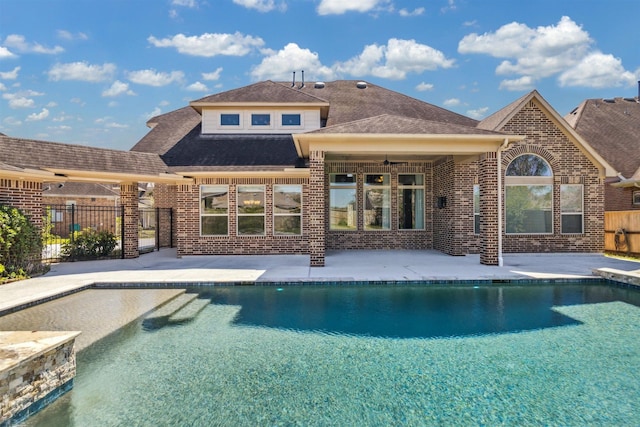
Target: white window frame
[202, 214]
[285, 113]
[261, 113]
[476, 209]
[635, 198]
[219, 124]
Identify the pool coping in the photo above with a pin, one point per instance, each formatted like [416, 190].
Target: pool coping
[611, 281]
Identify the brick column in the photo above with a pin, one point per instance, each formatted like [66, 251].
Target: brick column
[316, 209]
[24, 195]
[488, 181]
[129, 200]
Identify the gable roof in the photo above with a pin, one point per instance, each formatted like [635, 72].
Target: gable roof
[499, 120]
[612, 128]
[77, 162]
[266, 92]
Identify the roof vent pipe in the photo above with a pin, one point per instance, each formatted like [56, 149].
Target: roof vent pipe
[293, 83]
[639, 90]
[361, 85]
[302, 84]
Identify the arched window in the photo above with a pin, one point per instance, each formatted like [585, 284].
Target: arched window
[529, 196]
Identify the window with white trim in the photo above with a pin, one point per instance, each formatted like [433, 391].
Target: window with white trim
[287, 209]
[342, 202]
[377, 202]
[571, 208]
[230, 119]
[260, 119]
[214, 210]
[289, 119]
[410, 202]
[636, 198]
[529, 196]
[251, 210]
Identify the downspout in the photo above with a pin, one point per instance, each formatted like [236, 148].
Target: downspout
[499, 159]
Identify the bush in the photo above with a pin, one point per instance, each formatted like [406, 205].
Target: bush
[20, 245]
[89, 244]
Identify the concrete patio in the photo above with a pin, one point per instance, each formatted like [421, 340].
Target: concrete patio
[343, 266]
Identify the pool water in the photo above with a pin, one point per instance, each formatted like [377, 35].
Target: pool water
[509, 355]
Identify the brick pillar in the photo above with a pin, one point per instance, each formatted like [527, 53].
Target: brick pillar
[164, 197]
[129, 200]
[187, 217]
[24, 195]
[316, 209]
[488, 181]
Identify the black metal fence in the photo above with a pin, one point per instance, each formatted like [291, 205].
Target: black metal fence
[75, 232]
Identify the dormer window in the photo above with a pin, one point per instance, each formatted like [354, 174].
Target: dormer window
[230, 119]
[260, 119]
[291, 120]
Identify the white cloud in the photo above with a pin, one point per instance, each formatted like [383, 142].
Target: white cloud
[156, 112]
[2, 87]
[51, 104]
[10, 75]
[395, 60]
[452, 102]
[19, 102]
[262, 5]
[563, 49]
[118, 88]
[339, 7]
[35, 117]
[478, 113]
[519, 84]
[193, 4]
[212, 76]
[209, 44]
[598, 70]
[82, 71]
[416, 12]
[67, 35]
[424, 87]
[18, 42]
[6, 53]
[114, 125]
[12, 121]
[198, 87]
[451, 5]
[154, 78]
[279, 65]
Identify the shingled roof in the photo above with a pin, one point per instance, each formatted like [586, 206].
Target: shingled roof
[167, 129]
[211, 152]
[391, 124]
[262, 92]
[43, 155]
[611, 127]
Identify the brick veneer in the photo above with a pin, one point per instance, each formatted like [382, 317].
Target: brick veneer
[379, 239]
[619, 199]
[488, 181]
[316, 208]
[129, 200]
[546, 139]
[24, 195]
[187, 213]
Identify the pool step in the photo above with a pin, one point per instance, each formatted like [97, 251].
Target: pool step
[160, 317]
[189, 311]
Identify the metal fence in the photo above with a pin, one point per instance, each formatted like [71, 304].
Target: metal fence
[75, 232]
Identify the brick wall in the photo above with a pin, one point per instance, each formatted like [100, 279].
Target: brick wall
[619, 199]
[187, 213]
[380, 239]
[24, 195]
[129, 200]
[569, 165]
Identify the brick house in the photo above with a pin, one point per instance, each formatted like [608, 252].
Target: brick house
[612, 127]
[293, 168]
[281, 168]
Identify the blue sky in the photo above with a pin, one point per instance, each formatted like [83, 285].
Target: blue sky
[92, 72]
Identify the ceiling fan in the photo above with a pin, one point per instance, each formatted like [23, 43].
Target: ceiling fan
[386, 162]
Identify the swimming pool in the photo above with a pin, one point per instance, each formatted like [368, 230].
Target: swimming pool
[401, 355]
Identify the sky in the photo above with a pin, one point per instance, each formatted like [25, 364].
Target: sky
[92, 72]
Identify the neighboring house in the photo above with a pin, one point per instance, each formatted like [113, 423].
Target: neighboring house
[100, 206]
[286, 169]
[612, 128]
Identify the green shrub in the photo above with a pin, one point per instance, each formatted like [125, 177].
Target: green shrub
[20, 245]
[89, 244]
